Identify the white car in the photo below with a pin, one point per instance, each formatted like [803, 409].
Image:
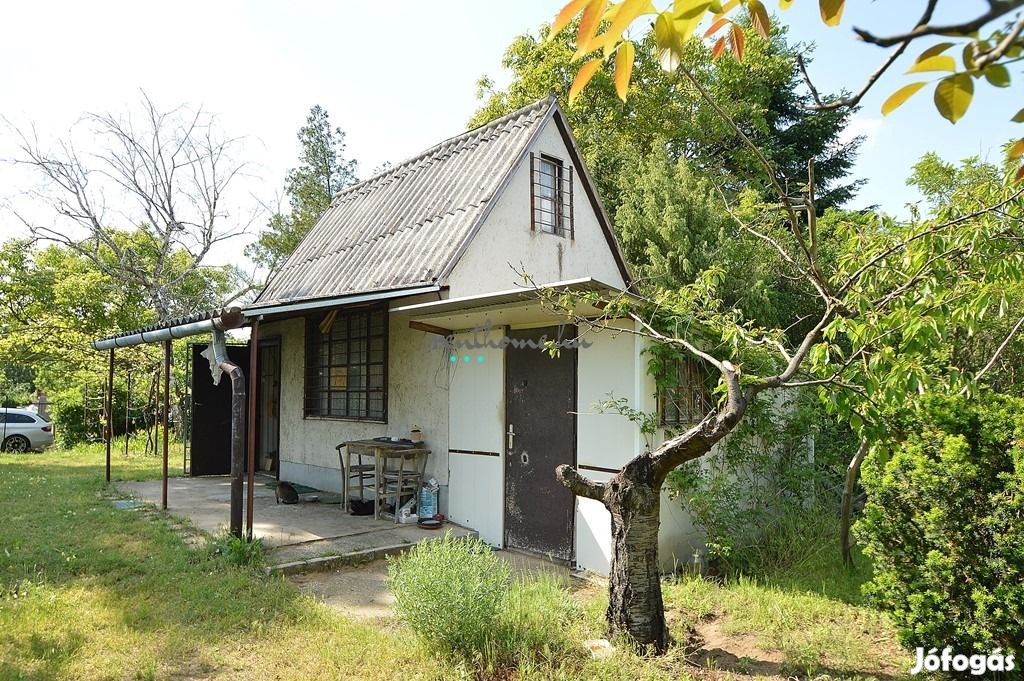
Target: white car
[22, 430]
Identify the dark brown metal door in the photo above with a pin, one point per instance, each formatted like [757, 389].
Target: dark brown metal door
[268, 428]
[540, 401]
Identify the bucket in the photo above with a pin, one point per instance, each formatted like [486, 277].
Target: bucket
[428, 503]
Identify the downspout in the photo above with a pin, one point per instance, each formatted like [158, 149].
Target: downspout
[220, 359]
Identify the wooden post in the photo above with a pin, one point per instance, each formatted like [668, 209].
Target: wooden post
[109, 409]
[254, 348]
[166, 409]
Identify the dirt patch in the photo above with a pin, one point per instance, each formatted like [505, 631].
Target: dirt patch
[735, 653]
[358, 591]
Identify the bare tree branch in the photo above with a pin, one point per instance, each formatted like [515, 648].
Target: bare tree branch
[854, 100]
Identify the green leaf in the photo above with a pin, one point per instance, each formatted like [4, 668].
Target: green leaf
[1018, 117]
[897, 98]
[942, 62]
[997, 74]
[831, 11]
[953, 95]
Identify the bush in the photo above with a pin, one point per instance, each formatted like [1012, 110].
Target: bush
[460, 599]
[449, 590]
[943, 525]
[753, 493]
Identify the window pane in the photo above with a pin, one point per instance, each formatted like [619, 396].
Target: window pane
[345, 362]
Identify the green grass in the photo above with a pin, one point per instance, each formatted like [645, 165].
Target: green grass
[91, 592]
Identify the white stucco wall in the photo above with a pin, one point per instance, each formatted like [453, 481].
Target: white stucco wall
[417, 394]
[614, 367]
[505, 240]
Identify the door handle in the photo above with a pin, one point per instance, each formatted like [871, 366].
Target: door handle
[511, 436]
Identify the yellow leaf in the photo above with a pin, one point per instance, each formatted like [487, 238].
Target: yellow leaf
[897, 98]
[759, 17]
[938, 48]
[665, 34]
[785, 4]
[1020, 174]
[628, 12]
[739, 41]
[689, 9]
[831, 11]
[1017, 150]
[953, 95]
[588, 24]
[997, 74]
[567, 13]
[583, 76]
[624, 68]
[942, 62]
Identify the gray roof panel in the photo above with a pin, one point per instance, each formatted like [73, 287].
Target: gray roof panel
[404, 227]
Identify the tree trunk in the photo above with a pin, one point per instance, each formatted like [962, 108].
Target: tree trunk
[846, 512]
[635, 607]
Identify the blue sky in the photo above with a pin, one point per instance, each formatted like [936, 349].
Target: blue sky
[397, 77]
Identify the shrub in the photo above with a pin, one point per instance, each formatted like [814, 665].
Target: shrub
[460, 599]
[449, 591]
[752, 495]
[943, 525]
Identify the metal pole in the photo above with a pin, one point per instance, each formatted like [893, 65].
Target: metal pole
[237, 442]
[167, 401]
[127, 412]
[254, 348]
[110, 408]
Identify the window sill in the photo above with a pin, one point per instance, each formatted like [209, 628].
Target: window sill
[346, 419]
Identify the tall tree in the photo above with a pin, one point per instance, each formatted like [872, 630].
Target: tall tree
[322, 172]
[170, 172]
[763, 94]
[893, 292]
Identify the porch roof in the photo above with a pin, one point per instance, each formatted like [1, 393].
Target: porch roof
[516, 306]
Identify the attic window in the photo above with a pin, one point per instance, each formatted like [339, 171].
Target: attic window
[551, 196]
[689, 399]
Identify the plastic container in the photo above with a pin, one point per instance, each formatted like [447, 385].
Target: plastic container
[428, 502]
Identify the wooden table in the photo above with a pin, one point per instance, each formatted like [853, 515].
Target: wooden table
[381, 451]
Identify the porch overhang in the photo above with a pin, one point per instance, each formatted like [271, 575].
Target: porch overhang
[522, 305]
[280, 310]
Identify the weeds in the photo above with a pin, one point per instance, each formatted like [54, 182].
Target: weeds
[238, 550]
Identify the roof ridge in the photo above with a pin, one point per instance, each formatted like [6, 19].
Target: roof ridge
[497, 122]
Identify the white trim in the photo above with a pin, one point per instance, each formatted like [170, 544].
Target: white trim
[337, 301]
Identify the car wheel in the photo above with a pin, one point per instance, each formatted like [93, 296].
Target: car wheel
[16, 443]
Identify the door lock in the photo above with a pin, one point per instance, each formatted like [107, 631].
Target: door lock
[511, 436]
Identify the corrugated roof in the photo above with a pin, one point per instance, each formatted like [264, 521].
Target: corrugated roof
[404, 227]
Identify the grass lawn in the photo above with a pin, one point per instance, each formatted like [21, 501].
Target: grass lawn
[91, 592]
